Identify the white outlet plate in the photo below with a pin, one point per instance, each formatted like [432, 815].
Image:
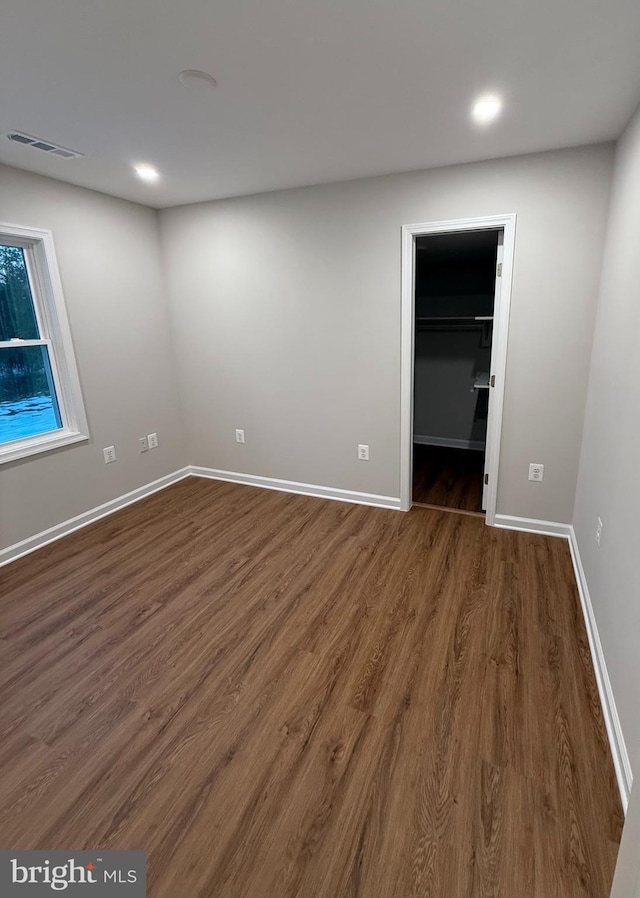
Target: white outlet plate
[363, 452]
[153, 440]
[143, 442]
[239, 436]
[536, 472]
[109, 454]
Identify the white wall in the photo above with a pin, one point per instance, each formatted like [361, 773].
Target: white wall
[609, 479]
[109, 256]
[285, 313]
[286, 321]
[626, 881]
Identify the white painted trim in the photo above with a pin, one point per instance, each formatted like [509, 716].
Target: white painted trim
[612, 721]
[41, 442]
[507, 223]
[445, 441]
[532, 525]
[407, 358]
[293, 486]
[12, 553]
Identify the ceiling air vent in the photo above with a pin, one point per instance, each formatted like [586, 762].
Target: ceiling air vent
[45, 145]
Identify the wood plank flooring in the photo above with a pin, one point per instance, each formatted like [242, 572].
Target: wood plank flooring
[451, 478]
[281, 696]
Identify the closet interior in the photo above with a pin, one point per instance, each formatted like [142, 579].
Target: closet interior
[455, 279]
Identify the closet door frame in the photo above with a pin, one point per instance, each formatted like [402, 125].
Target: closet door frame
[507, 224]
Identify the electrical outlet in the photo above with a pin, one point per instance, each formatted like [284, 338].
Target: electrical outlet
[599, 531]
[143, 442]
[363, 452]
[536, 472]
[239, 436]
[153, 440]
[109, 454]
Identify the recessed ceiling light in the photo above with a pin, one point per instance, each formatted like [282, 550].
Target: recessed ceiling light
[147, 172]
[196, 78]
[486, 109]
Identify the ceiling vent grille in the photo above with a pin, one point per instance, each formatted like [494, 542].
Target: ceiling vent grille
[46, 146]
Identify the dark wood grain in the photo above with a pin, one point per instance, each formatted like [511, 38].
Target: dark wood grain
[283, 696]
[447, 477]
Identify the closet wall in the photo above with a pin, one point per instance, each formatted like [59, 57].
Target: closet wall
[446, 406]
[455, 282]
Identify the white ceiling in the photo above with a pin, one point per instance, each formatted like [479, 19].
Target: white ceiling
[309, 91]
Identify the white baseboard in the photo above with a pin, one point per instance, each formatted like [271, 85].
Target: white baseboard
[293, 486]
[619, 752]
[11, 553]
[532, 525]
[451, 444]
[612, 721]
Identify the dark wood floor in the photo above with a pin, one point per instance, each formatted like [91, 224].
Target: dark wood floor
[451, 478]
[283, 696]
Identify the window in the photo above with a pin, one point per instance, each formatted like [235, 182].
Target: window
[40, 399]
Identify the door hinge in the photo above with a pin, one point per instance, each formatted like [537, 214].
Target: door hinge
[493, 380]
[499, 271]
[486, 478]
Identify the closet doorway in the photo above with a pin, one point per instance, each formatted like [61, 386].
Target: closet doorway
[455, 292]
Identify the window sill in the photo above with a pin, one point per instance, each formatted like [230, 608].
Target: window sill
[42, 443]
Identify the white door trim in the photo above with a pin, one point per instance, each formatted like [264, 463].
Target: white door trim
[498, 353]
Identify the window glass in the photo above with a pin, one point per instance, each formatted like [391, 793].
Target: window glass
[28, 404]
[17, 312]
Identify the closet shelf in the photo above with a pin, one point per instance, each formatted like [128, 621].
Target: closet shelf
[482, 381]
[463, 319]
[452, 323]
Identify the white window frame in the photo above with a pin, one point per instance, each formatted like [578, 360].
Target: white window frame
[51, 315]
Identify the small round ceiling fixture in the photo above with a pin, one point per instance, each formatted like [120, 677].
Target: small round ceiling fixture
[196, 78]
[486, 109]
[147, 172]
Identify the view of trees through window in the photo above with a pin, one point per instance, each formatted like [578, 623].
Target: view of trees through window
[28, 404]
